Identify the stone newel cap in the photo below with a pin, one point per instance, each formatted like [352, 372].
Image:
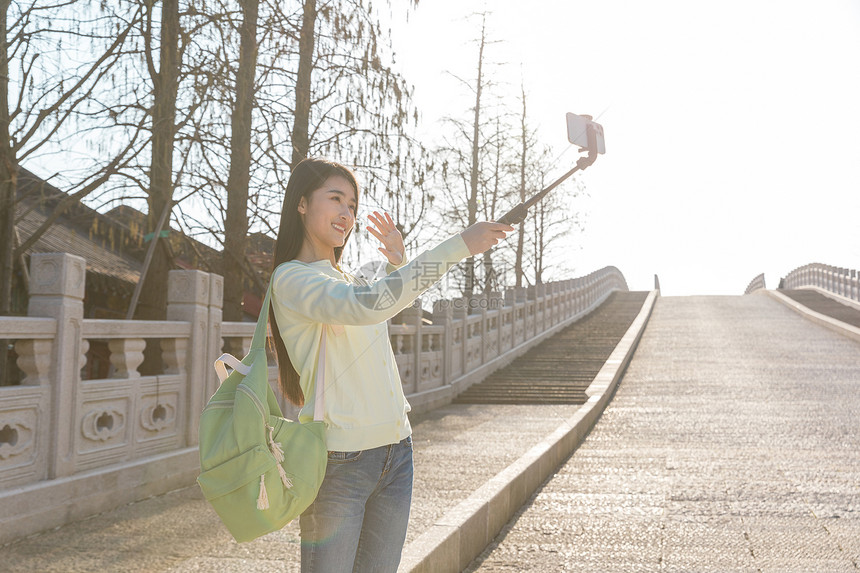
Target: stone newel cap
[188, 287]
[56, 274]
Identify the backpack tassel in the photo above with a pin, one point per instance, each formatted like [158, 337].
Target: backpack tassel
[275, 447]
[288, 483]
[263, 500]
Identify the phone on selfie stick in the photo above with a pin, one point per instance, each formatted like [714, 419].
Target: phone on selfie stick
[581, 131]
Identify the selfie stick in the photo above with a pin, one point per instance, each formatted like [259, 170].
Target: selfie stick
[518, 214]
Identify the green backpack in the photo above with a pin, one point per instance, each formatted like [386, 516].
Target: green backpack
[259, 470]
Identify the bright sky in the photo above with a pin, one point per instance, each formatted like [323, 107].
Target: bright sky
[732, 127]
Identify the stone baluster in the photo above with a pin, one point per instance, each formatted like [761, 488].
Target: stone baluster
[34, 360]
[173, 353]
[126, 354]
[57, 282]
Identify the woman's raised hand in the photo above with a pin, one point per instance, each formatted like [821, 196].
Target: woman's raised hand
[389, 236]
[483, 235]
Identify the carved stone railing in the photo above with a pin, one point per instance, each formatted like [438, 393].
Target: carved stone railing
[756, 284]
[836, 280]
[73, 445]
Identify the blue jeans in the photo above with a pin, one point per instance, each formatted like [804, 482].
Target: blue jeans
[357, 523]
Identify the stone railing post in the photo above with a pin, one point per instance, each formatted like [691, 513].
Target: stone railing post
[565, 299]
[413, 315]
[478, 302]
[443, 316]
[496, 303]
[57, 282]
[522, 304]
[855, 285]
[531, 323]
[460, 312]
[544, 305]
[188, 298]
[215, 342]
[563, 290]
[511, 303]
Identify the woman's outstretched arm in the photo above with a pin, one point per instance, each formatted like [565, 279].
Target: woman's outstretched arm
[308, 292]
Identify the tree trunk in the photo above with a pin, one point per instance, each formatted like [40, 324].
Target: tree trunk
[307, 40]
[8, 180]
[521, 232]
[8, 176]
[153, 302]
[473, 183]
[236, 218]
[491, 283]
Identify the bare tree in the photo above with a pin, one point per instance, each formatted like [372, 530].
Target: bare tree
[165, 82]
[352, 106]
[554, 220]
[471, 149]
[236, 217]
[165, 88]
[320, 87]
[42, 96]
[495, 193]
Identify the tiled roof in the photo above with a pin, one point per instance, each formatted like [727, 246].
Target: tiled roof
[61, 238]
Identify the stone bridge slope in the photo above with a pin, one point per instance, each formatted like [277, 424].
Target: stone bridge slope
[558, 370]
[732, 444]
[825, 305]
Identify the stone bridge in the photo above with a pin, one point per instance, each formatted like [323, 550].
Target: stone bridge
[728, 435]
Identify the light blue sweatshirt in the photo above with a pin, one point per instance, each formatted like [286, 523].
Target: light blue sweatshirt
[364, 402]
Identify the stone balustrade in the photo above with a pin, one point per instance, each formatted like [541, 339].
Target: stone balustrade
[836, 280]
[73, 446]
[756, 284]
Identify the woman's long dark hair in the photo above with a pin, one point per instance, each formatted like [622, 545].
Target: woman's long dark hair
[310, 174]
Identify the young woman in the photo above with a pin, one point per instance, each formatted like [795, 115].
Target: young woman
[358, 521]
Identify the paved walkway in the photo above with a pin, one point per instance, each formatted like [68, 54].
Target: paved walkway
[732, 444]
[457, 449]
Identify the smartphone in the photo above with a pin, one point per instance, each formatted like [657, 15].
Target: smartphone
[577, 131]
